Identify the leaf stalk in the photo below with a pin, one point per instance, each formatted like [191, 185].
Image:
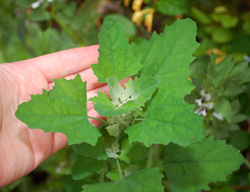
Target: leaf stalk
[97, 119]
[121, 175]
[247, 163]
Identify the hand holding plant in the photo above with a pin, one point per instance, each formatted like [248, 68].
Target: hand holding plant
[23, 149]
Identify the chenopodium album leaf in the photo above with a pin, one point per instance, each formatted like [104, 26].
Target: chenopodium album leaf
[85, 166]
[115, 55]
[98, 151]
[62, 109]
[166, 57]
[135, 94]
[71, 185]
[193, 167]
[132, 152]
[147, 180]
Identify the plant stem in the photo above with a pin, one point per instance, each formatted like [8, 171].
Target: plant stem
[139, 119]
[156, 151]
[241, 187]
[121, 175]
[247, 163]
[102, 176]
[119, 168]
[150, 158]
[207, 121]
[24, 185]
[97, 119]
[166, 184]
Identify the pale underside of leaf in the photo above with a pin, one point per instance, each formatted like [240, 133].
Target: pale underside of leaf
[136, 93]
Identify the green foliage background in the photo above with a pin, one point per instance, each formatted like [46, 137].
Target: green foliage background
[222, 25]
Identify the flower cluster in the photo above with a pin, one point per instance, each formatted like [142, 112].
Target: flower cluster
[205, 104]
[138, 14]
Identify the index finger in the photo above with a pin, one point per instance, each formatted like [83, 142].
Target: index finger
[67, 62]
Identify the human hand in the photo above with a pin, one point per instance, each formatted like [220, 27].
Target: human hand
[23, 149]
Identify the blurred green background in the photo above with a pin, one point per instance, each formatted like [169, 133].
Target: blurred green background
[221, 73]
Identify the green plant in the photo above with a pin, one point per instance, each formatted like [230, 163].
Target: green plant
[217, 91]
[151, 138]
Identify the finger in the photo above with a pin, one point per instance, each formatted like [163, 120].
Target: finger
[60, 141]
[93, 93]
[93, 113]
[67, 62]
[86, 75]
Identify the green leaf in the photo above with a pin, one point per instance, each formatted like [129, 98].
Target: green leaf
[111, 154]
[86, 166]
[127, 25]
[115, 90]
[113, 175]
[246, 27]
[137, 92]
[113, 130]
[115, 56]
[71, 185]
[141, 89]
[200, 16]
[132, 152]
[130, 170]
[167, 120]
[62, 109]
[221, 35]
[220, 9]
[229, 21]
[104, 106]
[40, 15]
[240, 140]
[166, 57]
[170, 7]
[147, 180]
[239, 118]
[223, 107]
[24, 3]
[193, 167]
[233, 90]
[98, 151]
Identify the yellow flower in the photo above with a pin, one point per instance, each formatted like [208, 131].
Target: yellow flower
[149, 19]
[126, 2]
[137, 17]
[137, 5]
[217, 52]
